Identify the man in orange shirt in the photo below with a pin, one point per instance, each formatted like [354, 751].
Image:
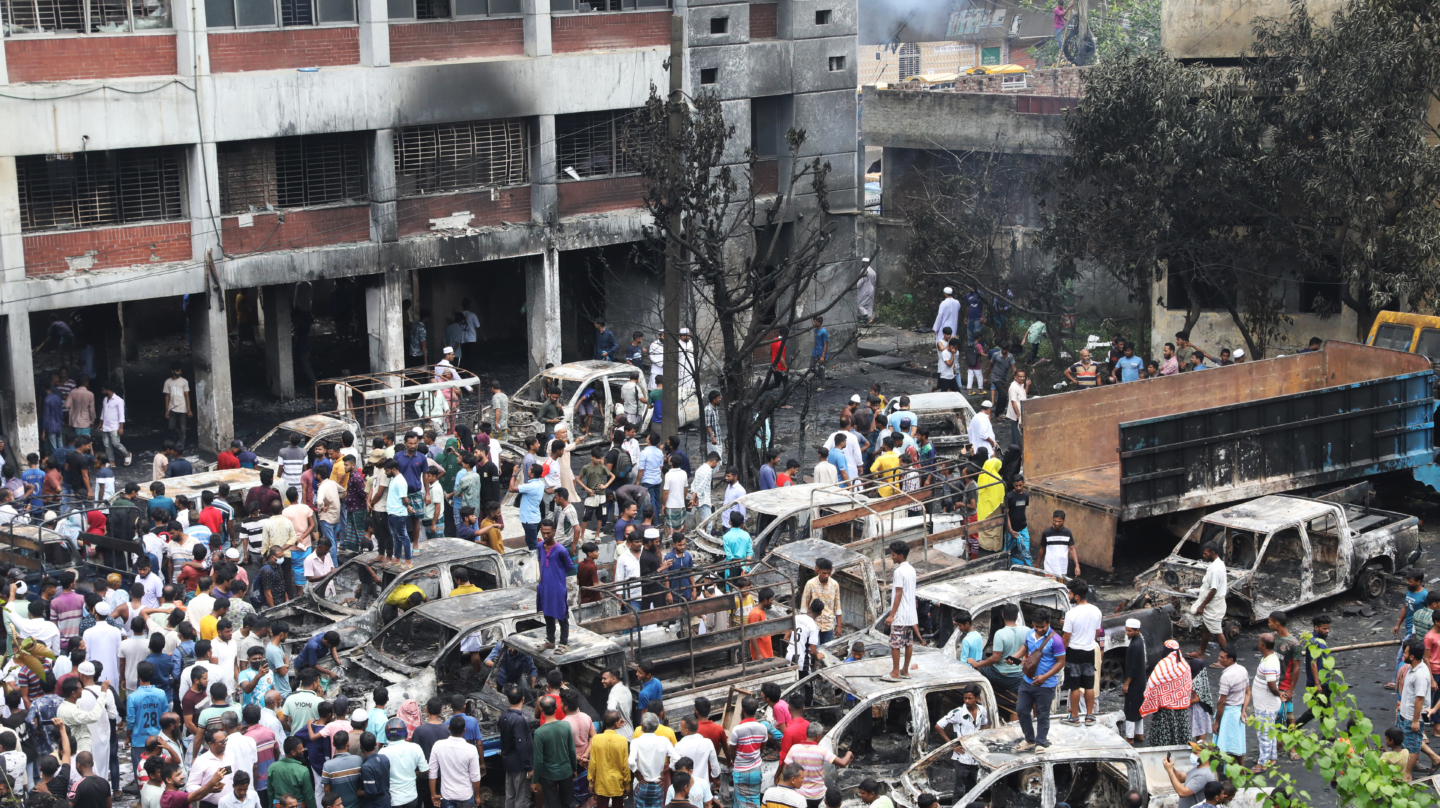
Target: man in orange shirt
[760, 647]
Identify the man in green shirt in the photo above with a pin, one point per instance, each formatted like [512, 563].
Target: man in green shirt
[290, 776]
[550, 414]
[303, 704]
[553, 765]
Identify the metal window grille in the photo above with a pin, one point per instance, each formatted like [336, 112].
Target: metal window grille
[92, 189]
[318, 169]
[83, 16]
[247, 176]
[451, 157]
[909, 60]
[594, 144]
[606, 5]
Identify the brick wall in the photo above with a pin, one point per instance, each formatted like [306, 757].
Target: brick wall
[1043, 104]
[766, 179]
[96, 56]
[106, 248]
[582, 32]
[287, 49]
[1065, 81]
[436, 41]
[301, 229]
[762, 21]
[599, 196]
[510, 205]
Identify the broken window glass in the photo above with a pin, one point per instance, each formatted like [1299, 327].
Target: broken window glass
[414, 640]
[1088, 784]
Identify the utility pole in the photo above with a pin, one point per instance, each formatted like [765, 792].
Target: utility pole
[670, 312]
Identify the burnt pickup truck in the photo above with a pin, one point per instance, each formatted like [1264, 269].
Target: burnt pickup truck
[1283, 552]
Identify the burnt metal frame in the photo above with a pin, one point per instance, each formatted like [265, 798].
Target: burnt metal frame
[384, 398]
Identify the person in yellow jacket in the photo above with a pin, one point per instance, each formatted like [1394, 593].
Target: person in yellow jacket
[610, 764]
[888, 461]
[989, 498]
[405, 596]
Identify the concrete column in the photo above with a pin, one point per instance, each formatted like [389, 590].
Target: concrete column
[21, 425]
[130, 331]
[537, 27]
[114, 371]
[192, 46]
[204, 191]
[210, 353]
[384, 221]
[544, 204]
[383, 323]
[542, 308]
[374, 33]
[279, 348]
[12, 244]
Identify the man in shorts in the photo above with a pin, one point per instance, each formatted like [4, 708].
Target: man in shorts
[902, 619]
[1413, 696]
[1210, 605]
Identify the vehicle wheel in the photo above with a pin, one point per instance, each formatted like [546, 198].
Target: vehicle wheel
[1112, 673]
[1371, 584]
[1231, 629]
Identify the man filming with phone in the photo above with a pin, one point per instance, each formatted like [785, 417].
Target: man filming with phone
[206, 765]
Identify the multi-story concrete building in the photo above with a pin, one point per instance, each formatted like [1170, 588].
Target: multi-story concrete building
[428, 150]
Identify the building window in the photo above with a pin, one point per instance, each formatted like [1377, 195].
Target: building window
[709, 75]
[837, 63]
[457, 156]
[270, 13]
[822, 17]
[93, 189]
[594, 144]
[84, 16]
[909, 60]
[291, 172]
[450, 9]
[606, 5]
[765, 127]
[719, 25]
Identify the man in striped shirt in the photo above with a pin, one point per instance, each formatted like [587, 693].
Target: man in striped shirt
[745, 742]
[292, 462]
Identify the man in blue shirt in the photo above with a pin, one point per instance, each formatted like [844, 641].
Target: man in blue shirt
[635, 351]
[511, 667]
[837, 458]
[1128, 367]
[143, 708]
[767, 469]
[52, 420]
[678, 559]
[650, 687]
[1038, 691]
[161, 664]
[606, 346]
[322, 647]
[822, 349]
[649, 471]
[738, 544]
[974, 313]
[412, 464]
[531, 492]
[159, 500]
[971, 644]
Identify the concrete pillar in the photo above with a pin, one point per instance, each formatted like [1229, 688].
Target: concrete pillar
[114, 370]
[279, 347]
[192, 46]
[130, 331]
[374, 32]
[542, 308]
[537, 27]
[20, 426]
[210, 353]
[204, 191]
[382, 320]
[544, 204]
[384, 220]
[12, 244]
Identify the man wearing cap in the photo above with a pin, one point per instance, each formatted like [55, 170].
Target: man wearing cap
[102, 644]
[865, 291]
[687, 358]
[982, 431]
[1238, 356]
[948, 316]
[1136, 673]
[657, 358]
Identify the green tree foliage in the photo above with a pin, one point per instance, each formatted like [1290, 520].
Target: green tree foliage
[1116, 25]
[1310, 164]
[1344, 750]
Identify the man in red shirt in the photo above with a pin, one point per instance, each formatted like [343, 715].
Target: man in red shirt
[211, 516]
[228, 459]
[777, 352]
[794, 731]
[709, 729]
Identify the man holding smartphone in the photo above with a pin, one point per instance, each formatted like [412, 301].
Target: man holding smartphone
[206, 765]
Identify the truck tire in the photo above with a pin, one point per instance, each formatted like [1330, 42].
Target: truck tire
[1112, 672]
[1231, 629]
[1371, 583]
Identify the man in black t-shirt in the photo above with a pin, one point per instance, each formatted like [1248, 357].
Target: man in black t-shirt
[92, 792]
[1017, 529]
[489, 476]
[654, 593]
[77, 469]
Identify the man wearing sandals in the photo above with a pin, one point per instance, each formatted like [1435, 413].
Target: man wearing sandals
[902, 619]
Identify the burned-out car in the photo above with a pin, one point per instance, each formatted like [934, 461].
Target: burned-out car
[1283, 552]
[887, 724]
[592, 384]
[946, 416]
[777, 515]
[434, 642]
[1089, 766]
[860, 600]
[351, 600]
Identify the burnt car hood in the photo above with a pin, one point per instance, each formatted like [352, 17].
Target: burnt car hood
[1181, 577]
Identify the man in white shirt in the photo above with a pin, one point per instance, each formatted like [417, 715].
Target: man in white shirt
[242, 754]
[982, 432]
[1082, 657]
[1017, 396]
[207, 763]
[702, 487]
[456, 764]
[1265, 698]
[804, 642]
[902, 619]
[650, 755]
[102, 643]
[627, 565]
[618, 699]
[36, 626]
[825, 471]
[733, 491]
[657, 359]
[674, 486]
[700, 750]
[1210, 604]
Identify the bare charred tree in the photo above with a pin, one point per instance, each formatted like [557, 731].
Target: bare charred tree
[753, 263]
